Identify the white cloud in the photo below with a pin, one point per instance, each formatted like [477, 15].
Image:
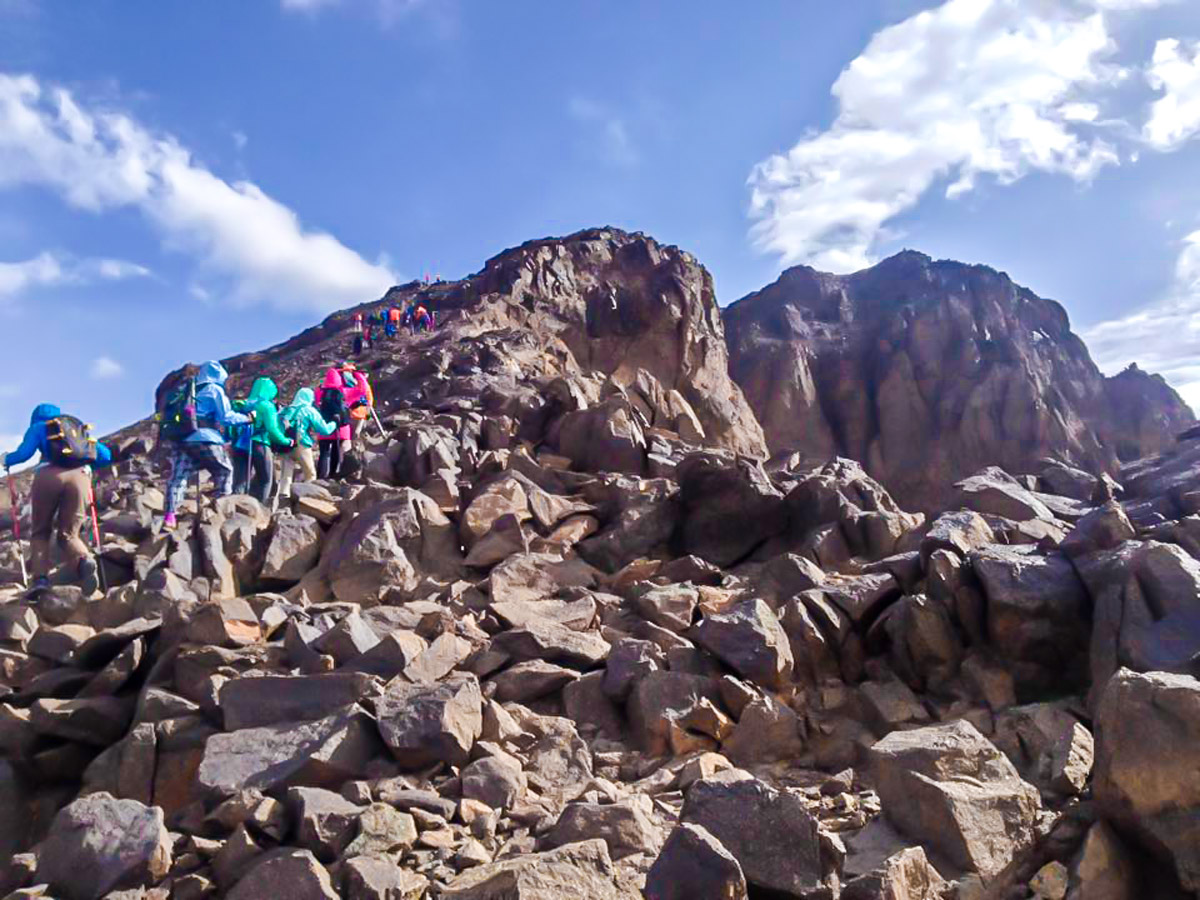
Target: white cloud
[105, 368]
[16, 278]
[100, 161]
[118, 269]
[608, 131]
[1163, 337]
[1175, 117]
[49, 269]
[389, 11]
[970, 89]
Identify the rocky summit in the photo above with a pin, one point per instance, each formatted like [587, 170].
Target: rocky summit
[576, 625]
[927, 371]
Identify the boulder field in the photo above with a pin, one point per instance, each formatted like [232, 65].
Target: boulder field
[574, 625]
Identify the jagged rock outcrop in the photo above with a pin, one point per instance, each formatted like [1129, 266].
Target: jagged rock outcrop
[929, 371]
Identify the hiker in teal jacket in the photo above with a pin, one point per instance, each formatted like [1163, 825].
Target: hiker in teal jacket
[265, 437]
[302, 419]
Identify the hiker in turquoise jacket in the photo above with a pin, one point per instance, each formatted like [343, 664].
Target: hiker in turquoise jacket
[265, 437]
[302, 419]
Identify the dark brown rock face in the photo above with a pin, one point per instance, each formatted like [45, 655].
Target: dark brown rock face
[623, 303]
[929, 371]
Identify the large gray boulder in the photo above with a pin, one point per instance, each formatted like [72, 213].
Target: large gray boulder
[427, 723]
[770, 833]
[100, 844]
[750, 640]
[727, 508]
[1146, 780]
[1037, 616]
[627, 827]
[325, 822]
[1147, 609]
[294, 874]
[948, 787]
[293, 549]
[693, 865]
[906, 875]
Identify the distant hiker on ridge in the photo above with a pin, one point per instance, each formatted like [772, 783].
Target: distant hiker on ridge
[61, 490]
[357, 329]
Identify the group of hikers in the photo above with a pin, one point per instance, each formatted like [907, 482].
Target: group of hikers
[235, 441]
[202, 430]
[415, 316]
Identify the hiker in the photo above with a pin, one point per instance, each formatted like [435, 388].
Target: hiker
[61, 490]
[331, 402]
[195, 420]
[357, 328]
[393, 321]
[359, 411]
[421, 320]
[256, 469]
[301, 421]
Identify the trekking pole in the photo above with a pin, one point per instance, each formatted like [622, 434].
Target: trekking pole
[16, 514]
[375, 416]
[249, 455]
[96, 534]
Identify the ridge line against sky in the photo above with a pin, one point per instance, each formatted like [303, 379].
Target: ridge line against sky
[952, 101]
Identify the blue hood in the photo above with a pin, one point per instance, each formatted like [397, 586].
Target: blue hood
[44, 412]
[212, 372]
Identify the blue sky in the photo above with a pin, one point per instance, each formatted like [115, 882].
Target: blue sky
[189, 180]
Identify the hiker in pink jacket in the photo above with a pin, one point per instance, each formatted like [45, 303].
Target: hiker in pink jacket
[335, 399]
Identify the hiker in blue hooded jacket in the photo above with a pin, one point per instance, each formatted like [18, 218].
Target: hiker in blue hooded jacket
[59, 497]
[204, 449]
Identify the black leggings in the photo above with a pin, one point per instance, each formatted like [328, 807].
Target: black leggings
[262, 472]
[329, 462]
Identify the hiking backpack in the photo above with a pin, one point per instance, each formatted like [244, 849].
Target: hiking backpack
[179, 420]
[333, 407]
[69, 443]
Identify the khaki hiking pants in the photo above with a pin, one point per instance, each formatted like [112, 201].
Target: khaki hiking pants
[298, 458]
[60, 500]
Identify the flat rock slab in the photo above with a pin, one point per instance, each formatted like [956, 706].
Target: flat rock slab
[576, 870]
[269, 700]
[323, 753]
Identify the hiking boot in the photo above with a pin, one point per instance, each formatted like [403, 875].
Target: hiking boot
[87, 577]
[40, 584]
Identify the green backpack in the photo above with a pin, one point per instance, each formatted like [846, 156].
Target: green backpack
[179, 421]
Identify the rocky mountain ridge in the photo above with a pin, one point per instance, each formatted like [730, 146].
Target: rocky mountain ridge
[564, 631]
[927, 371]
